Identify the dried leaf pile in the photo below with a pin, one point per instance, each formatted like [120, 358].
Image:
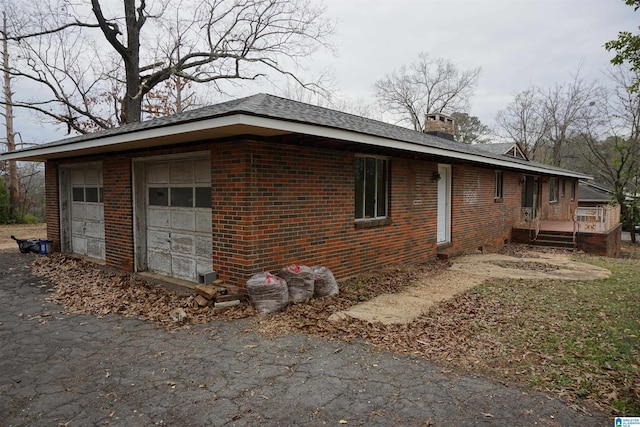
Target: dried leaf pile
[501, 328]
[84, 288]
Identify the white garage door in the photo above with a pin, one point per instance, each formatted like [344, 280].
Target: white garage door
[179, 218]
[87, 212]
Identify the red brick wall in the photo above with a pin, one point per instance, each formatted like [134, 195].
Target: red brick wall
[118, 212]
[300, 209]
[608, 244]
[275, 204]
[478, 220]
[52, 202]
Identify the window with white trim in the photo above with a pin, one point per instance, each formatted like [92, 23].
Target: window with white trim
[371, 192]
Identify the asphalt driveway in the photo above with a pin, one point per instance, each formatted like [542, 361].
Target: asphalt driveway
[78, 370]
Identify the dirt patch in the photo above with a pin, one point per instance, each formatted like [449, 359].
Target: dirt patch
[21, 231]
[465, 273]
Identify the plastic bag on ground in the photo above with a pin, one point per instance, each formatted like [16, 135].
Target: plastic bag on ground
[325, 283]
[300, 280]
[268, 293]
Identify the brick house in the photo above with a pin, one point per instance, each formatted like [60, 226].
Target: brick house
[257, 183]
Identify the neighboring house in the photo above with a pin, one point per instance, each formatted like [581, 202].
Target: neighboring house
[261, 182]
[592, 195]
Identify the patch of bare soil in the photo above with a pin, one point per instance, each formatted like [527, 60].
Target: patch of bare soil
[465, 273]
[21, 231]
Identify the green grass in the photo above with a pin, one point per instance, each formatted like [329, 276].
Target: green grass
[579, 339]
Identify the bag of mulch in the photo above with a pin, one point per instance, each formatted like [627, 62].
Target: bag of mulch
[325, 283]
[268, 293]
[299, 280]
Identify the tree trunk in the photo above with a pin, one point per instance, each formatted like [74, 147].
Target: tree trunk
[132, 102]
[13, 182]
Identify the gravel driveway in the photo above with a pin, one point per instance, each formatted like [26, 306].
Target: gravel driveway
[79, 370]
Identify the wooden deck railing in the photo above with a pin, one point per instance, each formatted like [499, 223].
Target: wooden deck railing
[598, 218]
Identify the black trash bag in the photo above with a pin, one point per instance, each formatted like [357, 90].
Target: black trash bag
[28, 245]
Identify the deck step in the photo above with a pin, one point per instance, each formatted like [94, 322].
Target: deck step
[555, 239]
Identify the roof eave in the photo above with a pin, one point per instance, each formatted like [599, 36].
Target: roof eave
[242, 123]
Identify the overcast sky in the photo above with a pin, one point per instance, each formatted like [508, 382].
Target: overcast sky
[517, 43]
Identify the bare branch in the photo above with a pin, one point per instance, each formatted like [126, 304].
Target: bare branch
[426, 86]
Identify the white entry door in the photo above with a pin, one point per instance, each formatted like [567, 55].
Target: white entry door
[179, 239]
[444, 204]
[87, 212]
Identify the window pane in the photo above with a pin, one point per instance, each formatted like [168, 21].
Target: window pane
[159, 196]
[499, 184]
[101, 194]
[553, 189]
[370, 188]
[359, 190]
[91, 194]
[78, 194]
[203, 197]
[182, 197]
[382, 188]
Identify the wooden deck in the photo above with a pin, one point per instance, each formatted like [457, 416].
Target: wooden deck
[594, 240]
[568, 227]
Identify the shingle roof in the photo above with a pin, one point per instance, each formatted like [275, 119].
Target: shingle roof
[269, 106]
[593, 193]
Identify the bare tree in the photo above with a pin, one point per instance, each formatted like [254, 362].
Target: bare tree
[77, 53]
[610, 141]
[567, 109]
[523, 122]
[13, 182]
[545, 121]
[426, 86]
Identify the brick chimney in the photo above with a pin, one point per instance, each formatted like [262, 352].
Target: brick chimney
[439, 125]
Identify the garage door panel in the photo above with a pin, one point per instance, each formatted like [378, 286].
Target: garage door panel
[202, 172]
[183, 244]
[93, 229]
[204, 246]
[157, 174]
[77, 176]
[179, 226]
[77, 211]
[79, 245]
[158, 218]
[87, 210]
[95, 248]
[77, 228]
[160, 262]
[183, 220]
[183, 267]
[94, 212]
[203, 221]
[93, 177]
[159, 241]
[182, 173]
